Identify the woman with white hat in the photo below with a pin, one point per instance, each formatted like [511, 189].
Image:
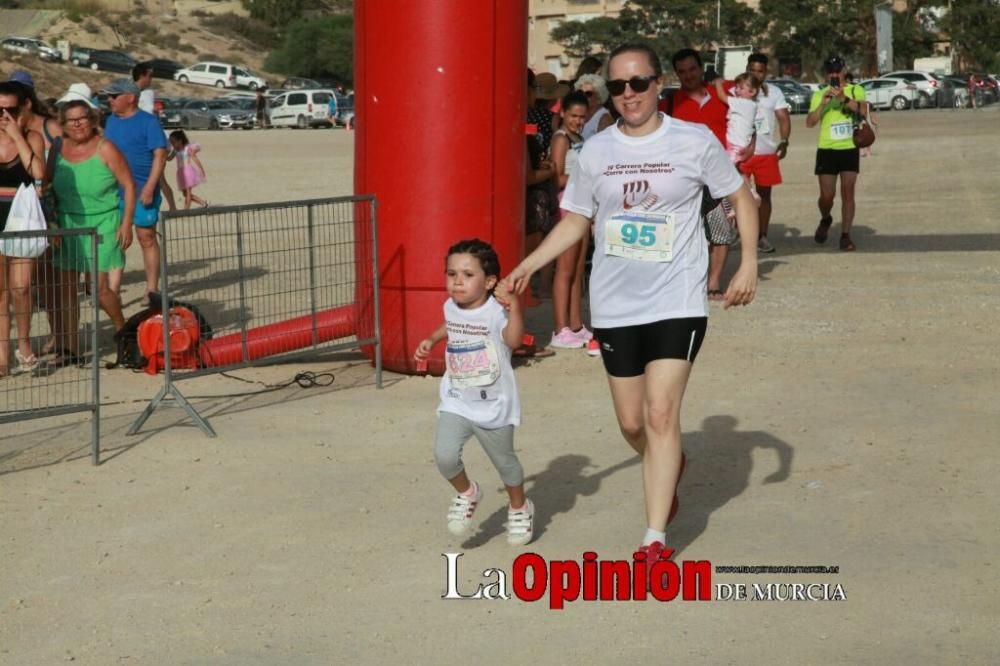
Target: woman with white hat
[77, 92]
[86, 172]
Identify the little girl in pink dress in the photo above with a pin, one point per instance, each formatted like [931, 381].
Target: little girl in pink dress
[190, 172]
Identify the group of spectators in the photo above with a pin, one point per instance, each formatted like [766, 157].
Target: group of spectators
[108, 180]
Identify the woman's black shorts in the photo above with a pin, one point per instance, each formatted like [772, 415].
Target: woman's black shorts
[626, 350]
[830, 162]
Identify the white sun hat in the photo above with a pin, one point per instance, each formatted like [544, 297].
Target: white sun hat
[78, 92]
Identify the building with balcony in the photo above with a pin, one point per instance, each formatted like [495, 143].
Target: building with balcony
[544, 55]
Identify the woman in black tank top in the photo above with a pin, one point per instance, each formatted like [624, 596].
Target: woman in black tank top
[39, 116]
[21, 162]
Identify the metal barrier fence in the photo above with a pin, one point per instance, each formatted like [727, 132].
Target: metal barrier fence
[265, 283]
[61, 372]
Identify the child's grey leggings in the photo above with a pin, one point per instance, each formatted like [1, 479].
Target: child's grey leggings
[453, 431]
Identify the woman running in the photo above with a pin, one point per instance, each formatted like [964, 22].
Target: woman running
[640, 183]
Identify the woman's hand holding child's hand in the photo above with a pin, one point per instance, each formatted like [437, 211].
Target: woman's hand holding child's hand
[506, 296]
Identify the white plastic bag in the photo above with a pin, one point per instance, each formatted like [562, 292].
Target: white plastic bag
[25, 215]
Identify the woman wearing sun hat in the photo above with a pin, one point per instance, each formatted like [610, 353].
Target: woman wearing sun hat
[86, 173]
[539, 115]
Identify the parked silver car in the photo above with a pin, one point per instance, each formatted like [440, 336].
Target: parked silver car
[927, 85]
[796, 94]
[214, 114]
[31, 46]
[890, 94]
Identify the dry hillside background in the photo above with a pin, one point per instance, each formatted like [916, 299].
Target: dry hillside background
[182, 36]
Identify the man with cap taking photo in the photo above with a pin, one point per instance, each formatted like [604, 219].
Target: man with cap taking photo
[833, 108]
[140, 139]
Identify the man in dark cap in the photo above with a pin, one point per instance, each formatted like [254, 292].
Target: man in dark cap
[833, 108]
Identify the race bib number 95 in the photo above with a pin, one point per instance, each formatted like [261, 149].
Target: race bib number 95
[640, 236]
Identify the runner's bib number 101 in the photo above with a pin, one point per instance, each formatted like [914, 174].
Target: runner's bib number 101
[640, 236]
[841, 130]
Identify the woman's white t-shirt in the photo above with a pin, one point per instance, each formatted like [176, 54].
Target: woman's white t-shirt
[478, 382]
[658, 177]
[740, 121]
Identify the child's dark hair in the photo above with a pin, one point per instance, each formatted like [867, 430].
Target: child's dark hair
[482, 251]
[180, 136]
[576, 97]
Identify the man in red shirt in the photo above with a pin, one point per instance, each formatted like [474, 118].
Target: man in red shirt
[697, 103]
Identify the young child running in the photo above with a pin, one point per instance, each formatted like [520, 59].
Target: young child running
[190, 172]
[740, 121]
[478, 391]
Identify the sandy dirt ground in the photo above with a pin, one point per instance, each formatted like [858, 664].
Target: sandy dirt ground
[848, 418]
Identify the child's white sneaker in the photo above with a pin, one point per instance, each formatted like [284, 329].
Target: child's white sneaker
[520, 524]
[461, 509]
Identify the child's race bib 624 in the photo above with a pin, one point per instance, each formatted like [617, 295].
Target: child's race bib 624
[640, 236]
[472, 364]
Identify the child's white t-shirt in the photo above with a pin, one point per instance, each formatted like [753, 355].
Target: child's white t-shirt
[479, 381]
[740, 121]
[658, 179]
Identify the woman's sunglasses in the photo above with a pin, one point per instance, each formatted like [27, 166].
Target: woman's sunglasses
[639, 84]
[12, 110]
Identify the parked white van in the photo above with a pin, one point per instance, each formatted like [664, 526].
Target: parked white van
[302, 109]
[220, 75]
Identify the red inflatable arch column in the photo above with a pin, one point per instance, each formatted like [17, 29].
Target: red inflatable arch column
[439, 140]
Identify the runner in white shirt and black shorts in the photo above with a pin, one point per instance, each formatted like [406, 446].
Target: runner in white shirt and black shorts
[640, 182]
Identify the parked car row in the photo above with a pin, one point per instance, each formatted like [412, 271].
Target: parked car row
[300, 109]
[903, 89]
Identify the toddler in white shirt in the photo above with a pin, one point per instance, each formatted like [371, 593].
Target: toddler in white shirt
[740, 121]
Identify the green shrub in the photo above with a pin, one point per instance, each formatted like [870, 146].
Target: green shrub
[77, 10]
[250, 29]
[318, 47]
